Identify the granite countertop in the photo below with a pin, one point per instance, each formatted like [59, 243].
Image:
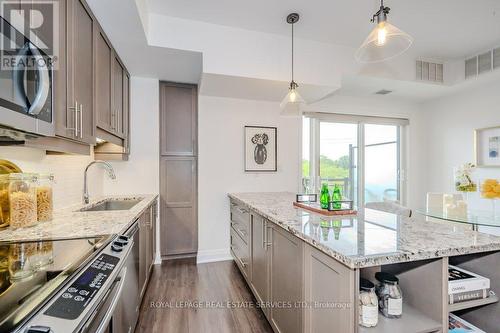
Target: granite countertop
[371, 237]
[70, 222]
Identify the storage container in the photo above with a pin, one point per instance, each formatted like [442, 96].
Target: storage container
[22, 199]
[4, 201]
[368, 304]
[390, 297]
[44, 197]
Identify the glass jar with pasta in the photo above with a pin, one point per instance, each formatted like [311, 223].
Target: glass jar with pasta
[22, 199]
[44, 197]
[4, 201]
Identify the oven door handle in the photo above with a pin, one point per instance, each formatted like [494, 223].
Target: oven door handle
[109, 313]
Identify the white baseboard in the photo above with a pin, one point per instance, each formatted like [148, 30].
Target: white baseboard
[205, 256]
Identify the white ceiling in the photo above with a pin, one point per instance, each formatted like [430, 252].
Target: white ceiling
[443, 29]
[122, 24]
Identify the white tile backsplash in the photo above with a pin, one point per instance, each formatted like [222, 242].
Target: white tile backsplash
[67, 169]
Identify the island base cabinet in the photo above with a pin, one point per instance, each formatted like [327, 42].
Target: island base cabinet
[260, 261]
[329, 294]
[286, 281]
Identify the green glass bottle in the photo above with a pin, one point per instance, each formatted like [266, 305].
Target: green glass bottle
[337, 197]
[325, 196]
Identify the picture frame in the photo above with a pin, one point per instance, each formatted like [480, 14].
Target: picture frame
[261, 149]
[487, 147]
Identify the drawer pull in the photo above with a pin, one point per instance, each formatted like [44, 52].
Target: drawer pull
[243, 232]
[241, 210]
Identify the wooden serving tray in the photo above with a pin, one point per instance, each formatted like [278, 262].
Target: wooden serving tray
[316, 208]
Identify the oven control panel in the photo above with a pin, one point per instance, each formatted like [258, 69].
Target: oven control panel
[73, 301]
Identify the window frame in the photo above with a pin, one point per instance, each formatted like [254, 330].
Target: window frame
[360, 120]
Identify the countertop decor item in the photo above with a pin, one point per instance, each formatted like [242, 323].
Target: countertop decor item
[44, 197]
[306, 198]
[6, 168]
[325, 196]
[290, 106]
[316, 208]
[463, 178]
[385, 41]
[260, 148]
[487, 147]
[22, 199]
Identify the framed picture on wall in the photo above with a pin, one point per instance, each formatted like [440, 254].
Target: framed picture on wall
[487, 146]
[261, 153]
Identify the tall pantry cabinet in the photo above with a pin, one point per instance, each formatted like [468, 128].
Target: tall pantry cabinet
[178, 170]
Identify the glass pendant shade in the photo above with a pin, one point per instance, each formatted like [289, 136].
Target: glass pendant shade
[384, 42]
[292, 103]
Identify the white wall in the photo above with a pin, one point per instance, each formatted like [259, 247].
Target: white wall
[450, 124]
[140, 174]
[221, 164]
[67, 169]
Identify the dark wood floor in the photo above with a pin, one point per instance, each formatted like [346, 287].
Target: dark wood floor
[175, 283]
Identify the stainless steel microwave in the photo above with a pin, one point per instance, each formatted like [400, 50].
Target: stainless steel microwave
[26, 99]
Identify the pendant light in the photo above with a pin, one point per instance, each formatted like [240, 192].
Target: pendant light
[385, 41]
[290, 106]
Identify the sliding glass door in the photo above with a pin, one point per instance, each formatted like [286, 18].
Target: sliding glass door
[360, 155]
[382, 163]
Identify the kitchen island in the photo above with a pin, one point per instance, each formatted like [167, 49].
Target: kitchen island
[305, 268]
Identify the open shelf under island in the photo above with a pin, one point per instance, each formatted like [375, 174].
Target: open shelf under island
[304, 268]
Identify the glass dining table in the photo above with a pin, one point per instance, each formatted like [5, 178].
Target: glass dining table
[475, 218]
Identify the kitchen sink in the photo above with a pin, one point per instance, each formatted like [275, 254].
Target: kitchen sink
[108, 205]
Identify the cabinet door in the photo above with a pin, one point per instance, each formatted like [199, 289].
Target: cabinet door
[286, 281]
[103, 62]
[178, 226]
[178, 119]
[126, 112]
[143, 246]
[80, 47]
[260, 261]
[117, 113]
[326, 281]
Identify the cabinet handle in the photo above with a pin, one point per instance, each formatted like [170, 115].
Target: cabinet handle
[263, 230]
[81, 121]
[269, 244]
[241, 262]
[243, 232]
[241, 210]
[112, 119]
[75, 118]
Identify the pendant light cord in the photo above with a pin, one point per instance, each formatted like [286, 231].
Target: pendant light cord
[292, 50]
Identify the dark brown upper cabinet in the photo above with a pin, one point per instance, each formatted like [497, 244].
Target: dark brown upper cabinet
[178, 120]
[80, 71]
[103, 66]
[117, 116]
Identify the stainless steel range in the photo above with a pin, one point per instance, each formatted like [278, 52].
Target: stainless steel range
[67, 285]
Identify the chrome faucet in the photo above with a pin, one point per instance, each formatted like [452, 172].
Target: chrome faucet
[109, 171]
